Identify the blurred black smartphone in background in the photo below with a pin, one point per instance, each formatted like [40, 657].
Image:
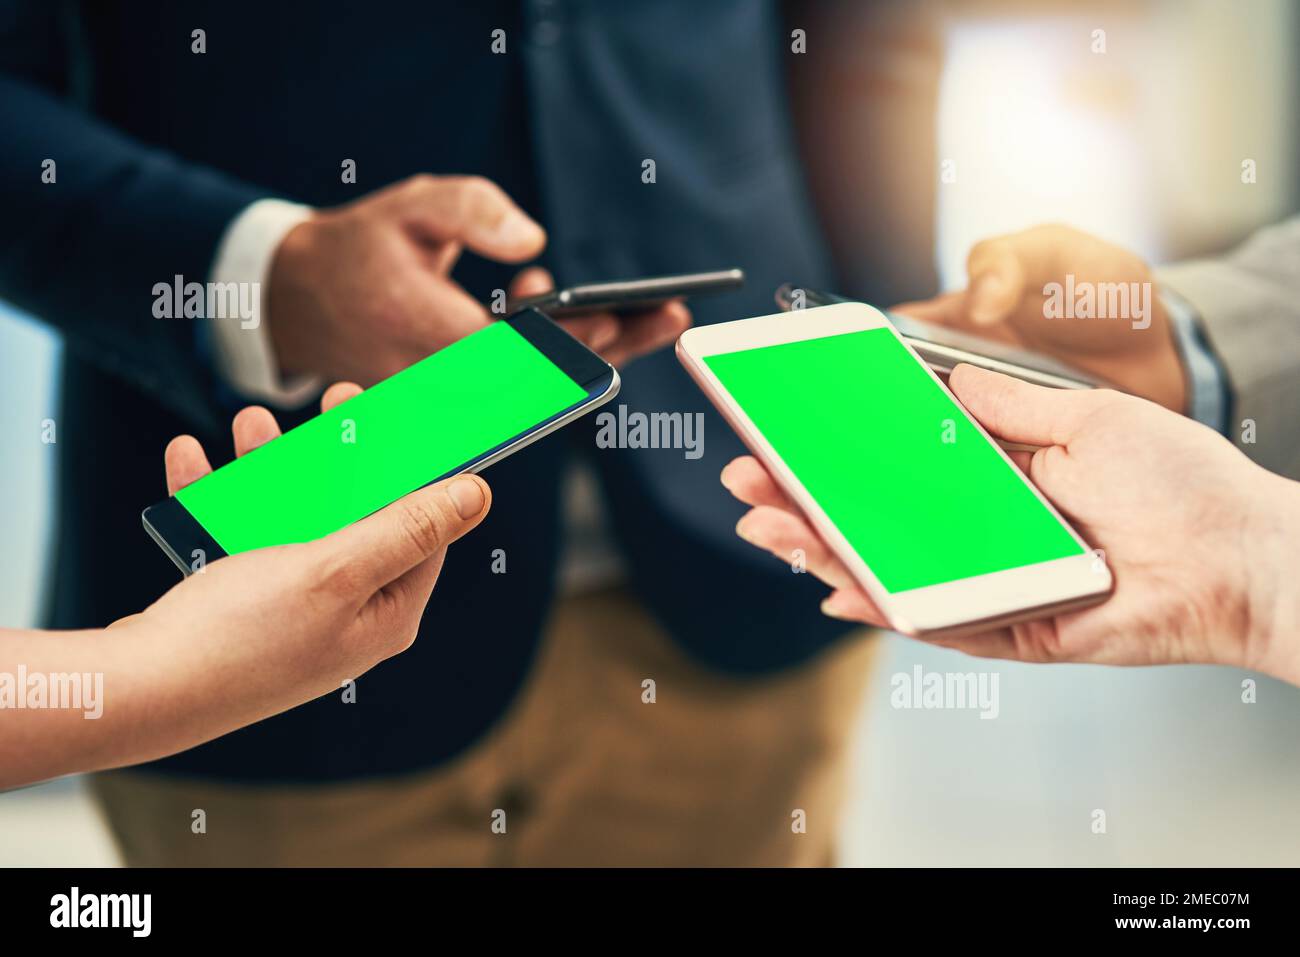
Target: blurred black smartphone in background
[628, 295]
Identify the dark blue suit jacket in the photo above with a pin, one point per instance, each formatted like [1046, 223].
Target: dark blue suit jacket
[159, 148]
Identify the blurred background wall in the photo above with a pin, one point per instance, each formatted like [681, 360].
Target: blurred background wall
[1141, 144]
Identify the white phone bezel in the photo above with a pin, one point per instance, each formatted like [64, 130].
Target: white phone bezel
[982, 601]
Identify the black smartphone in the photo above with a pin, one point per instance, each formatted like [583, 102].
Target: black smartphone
[461, 409]
[629, 295]
[943, 348]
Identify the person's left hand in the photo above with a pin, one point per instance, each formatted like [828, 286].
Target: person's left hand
[252, 634]
[618, 338]
[322, 609]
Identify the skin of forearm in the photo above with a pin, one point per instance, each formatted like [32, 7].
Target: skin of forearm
[1273, 565]
[161, 694]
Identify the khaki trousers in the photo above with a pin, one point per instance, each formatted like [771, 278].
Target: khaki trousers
[583, 770]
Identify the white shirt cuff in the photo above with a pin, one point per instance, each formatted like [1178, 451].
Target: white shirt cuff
[245, 356]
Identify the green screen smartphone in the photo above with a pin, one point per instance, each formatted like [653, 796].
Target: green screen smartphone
[919, 503]
[461, 409]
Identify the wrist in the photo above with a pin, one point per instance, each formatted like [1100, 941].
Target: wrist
[288, 294]
[1268, 566]
[243, 352]
[1167, 375]
[1146, 362]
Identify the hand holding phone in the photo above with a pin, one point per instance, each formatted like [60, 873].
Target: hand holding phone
[929, 517]
[251, 637]
[1201, 540]
[363, 290]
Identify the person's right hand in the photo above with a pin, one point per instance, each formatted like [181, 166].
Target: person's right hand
[361, 291]
[305, 617]
[1200, 539]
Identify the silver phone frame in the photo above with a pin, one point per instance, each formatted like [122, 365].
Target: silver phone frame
[986, 601]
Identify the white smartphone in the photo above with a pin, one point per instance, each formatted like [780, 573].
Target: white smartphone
[929, 515]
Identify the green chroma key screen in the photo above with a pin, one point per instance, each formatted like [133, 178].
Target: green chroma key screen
[406, 431]
[863, 426]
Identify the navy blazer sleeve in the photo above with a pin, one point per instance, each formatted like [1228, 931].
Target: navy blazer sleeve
[84, 252]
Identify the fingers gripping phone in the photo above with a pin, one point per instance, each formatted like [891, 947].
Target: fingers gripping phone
[944, 349]
[459, 410]
[928, 514]
[629, 295]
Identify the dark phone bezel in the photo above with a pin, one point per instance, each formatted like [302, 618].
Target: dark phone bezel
[630, 295]
[178, 533]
